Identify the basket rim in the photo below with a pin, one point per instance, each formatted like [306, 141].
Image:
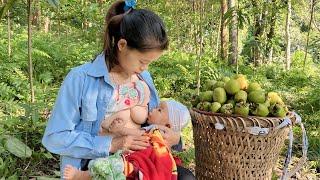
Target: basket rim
[235, 115]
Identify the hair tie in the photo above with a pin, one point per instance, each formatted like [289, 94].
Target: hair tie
[130, 4]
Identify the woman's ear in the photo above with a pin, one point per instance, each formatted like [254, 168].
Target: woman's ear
[122, 44]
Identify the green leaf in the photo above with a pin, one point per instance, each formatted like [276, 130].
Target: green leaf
[54, 3]
[48, 155]
[41, 53]
[16, 147]
[6, 7]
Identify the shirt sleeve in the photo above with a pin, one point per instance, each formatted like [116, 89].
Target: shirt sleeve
[61, 136]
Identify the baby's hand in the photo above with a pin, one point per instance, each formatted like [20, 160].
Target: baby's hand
[117, 127]
[103, 132]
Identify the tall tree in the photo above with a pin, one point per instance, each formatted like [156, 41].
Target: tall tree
[218, 35]
[260, 14]
[9, 35]
[46, 27]
[223, 31]
[271, 33]
[288, 54]
[313, 3]
[30, 50]
[201, 48]
[36, 16]
[233, 32]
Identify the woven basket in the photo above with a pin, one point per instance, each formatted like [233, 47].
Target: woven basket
[233, 153]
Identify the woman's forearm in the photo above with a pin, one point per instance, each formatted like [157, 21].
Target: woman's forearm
[77, 144]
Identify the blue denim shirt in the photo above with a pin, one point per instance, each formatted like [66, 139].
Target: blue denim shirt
[72, 130]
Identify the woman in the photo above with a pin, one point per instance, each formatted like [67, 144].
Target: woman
[133, 39]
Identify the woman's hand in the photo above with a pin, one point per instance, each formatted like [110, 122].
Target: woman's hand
[171, 137]
[129, 143]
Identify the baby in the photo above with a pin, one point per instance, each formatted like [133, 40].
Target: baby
[170, 113]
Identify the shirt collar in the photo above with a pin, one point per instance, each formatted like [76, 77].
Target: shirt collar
[99, 68]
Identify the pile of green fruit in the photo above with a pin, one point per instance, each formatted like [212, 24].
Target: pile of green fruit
[235, 95]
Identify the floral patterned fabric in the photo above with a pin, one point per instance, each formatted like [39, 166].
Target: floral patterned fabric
[126, 96]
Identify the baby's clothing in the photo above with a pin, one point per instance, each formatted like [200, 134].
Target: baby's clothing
[110, 167]
[155, 162]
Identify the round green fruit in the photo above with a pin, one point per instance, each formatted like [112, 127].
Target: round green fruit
[206, 96]
[225, 79]
[219, 95]
[226, 109]
[242, 109]
[257, 96]
[206, 106]
[254, 87]
[262, 111]
[241, 96]
[232, 87]
[215, 106]
[218, 84]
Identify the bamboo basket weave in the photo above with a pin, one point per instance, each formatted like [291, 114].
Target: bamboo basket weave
[233, 153]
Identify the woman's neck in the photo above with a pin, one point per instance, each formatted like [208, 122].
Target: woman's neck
[118, 75]
[120, 71]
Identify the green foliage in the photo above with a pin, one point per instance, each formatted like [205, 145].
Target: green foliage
[75, 38]
[314, 49]
[21, 142]
[4, 9]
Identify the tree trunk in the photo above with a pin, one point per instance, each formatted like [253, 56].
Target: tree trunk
[195, 26]
[30, 50]
[212, 26]
[200, 52]
[270, 35]
[9, 36]
[313, 3]
[46, 24]
[258, 30]
[218, 36]
[223, 32]
[37, 14]
[233, 33]
[288, 54]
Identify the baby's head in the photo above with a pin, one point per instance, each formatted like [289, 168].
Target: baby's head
[170, 112]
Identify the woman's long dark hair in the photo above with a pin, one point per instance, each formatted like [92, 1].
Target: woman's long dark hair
[142, 29]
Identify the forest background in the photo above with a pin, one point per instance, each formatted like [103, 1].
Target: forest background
[273, 42]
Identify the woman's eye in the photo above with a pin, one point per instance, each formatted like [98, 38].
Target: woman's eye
[159, 110]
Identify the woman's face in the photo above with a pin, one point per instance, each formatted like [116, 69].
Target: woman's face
[133, 61]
